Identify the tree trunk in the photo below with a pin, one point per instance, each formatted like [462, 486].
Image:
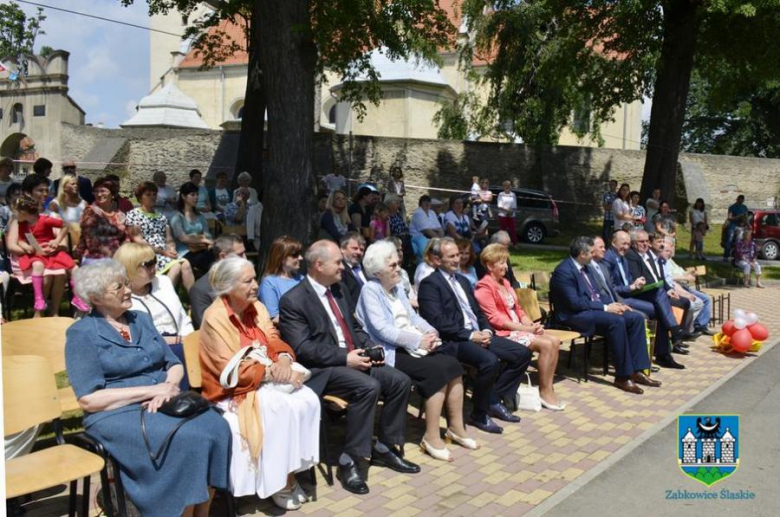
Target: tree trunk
[289, 59]
[681, 27]
[250, 144]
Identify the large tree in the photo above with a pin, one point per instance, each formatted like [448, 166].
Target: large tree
[548, 59]
[292, 43]
[18, 30]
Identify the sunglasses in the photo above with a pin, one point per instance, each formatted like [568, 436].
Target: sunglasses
[149, 264]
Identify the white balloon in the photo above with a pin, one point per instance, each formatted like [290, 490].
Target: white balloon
[740, 323]
[739, 313]
[751, 318]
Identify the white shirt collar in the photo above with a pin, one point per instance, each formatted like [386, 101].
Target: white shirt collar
[318, 287]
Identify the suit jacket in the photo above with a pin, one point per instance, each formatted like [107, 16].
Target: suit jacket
[492, 302]
[439, 306]
[639, 267]
[610, 263]
[570, 295]
[604, 287]
[306, 327]
[352, 284]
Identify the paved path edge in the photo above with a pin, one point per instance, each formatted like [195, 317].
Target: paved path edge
[559, 496]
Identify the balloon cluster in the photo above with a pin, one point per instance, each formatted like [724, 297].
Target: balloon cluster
[742, 334]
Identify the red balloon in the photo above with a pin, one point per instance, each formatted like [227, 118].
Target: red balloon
[728, 328]
[758, 331]
[742, 340]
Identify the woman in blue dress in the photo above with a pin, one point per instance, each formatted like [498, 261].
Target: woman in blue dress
[119, 365]
[282, 273]
[191, 231]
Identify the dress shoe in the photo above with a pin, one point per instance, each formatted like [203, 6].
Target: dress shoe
[667, 361]
[484, 423]
[468, 443]
[286, 500]
[644, 380]
[680, 350]
[393, 461]
[553, 407]
[628, 385]
[300, 494]
[349, 475]
[500, 411]
[705, 331]
[691, 336]
[442, 454]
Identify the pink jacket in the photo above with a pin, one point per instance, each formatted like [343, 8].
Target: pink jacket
[492, 303]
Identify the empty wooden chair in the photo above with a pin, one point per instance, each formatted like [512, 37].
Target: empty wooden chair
[30, 399]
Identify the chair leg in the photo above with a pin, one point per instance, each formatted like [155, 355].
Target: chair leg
[85, 496]
[72, 499]
[586, 358]
[605, 366]
[119, 487]
[324, 456]
[105, 487]
[230, 503]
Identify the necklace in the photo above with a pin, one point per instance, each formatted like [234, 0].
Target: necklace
[122, 328]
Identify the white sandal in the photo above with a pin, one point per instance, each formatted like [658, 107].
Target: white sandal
[468, 443]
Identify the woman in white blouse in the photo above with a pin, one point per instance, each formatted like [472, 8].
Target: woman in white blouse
[156, 296]
[410, 344]
[621, 208]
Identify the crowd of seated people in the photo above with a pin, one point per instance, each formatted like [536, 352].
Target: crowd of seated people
[339, 317]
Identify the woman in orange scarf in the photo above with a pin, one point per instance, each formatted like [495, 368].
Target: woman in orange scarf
[274, 418]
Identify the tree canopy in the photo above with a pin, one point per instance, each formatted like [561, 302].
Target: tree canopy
[18, 30]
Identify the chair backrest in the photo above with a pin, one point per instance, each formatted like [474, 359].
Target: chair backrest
[39, 336]
[191, 347]
[29, 393]
[239, 230]
[529, 302]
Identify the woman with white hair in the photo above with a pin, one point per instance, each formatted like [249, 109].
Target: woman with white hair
[119, 366]
[244, 181]
[410, 345]
[251, 374]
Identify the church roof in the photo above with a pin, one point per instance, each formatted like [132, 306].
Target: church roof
[169, 107]
[403, 71]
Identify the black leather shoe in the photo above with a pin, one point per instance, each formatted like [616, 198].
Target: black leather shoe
[349, 475]
[393, 461]
[691, 336]
[500, 411]
[667, 361]
[705, 331]
[680, 350]
[484, 423]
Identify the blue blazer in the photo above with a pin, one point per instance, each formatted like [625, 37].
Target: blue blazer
[569, 294]
[611, 260]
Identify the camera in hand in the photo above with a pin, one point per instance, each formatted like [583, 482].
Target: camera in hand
[376, 354]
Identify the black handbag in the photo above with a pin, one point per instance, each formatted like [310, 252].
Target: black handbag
[186, 405]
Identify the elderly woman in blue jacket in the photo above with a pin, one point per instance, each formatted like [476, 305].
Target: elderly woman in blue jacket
[410, 345]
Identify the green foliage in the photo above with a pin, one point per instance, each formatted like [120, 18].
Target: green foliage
[452, 118]
[547, 59]
[708, 476]
[18, 30]
[45, 51]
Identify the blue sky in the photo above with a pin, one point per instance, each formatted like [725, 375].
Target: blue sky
[109, 63]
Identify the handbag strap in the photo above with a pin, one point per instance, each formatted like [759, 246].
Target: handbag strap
[155, 457]
[229, 376]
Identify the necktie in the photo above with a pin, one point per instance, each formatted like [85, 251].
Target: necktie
[651, 267]
[603, 283]
[594, 296]
[356, 271]
[622, 271]
[464, 303]
[340, 319]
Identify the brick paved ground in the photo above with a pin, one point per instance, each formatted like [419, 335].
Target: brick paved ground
[516, 471]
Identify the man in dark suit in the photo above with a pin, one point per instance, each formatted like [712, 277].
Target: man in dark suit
[446, 301]
[353, 246]
[654, 304]
[579, 305]
[643, 262]
[316, 320]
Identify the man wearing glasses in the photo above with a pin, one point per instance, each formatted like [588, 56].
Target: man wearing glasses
[85, 185]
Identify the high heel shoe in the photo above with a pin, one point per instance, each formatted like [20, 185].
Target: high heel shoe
[552, 407]
[468, 443]
[437, 454]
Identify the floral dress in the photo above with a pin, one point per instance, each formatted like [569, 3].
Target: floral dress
[153, 228]
[101, 235]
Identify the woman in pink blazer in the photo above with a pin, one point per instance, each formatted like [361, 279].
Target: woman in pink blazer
[499, 302]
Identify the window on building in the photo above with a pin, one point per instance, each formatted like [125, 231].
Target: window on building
[332, 115]
[1, 113]
[581, 120]
[39, 110]
[18, 114]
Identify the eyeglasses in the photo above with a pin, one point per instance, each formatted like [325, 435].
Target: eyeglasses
[149, 264]
[393, 265]
[69, 168]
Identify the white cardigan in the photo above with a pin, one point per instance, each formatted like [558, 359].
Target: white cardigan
[161, 304]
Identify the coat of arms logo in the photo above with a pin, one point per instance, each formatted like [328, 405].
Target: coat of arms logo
[708, 446]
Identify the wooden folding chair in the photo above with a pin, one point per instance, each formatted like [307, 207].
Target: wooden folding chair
[30, 399]
[44, 337]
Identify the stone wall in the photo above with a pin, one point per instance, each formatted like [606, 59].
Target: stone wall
[575, 176]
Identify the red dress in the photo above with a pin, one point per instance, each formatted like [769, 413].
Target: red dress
[43, 231]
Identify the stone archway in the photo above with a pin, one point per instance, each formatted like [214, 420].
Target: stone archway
[21, 148]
